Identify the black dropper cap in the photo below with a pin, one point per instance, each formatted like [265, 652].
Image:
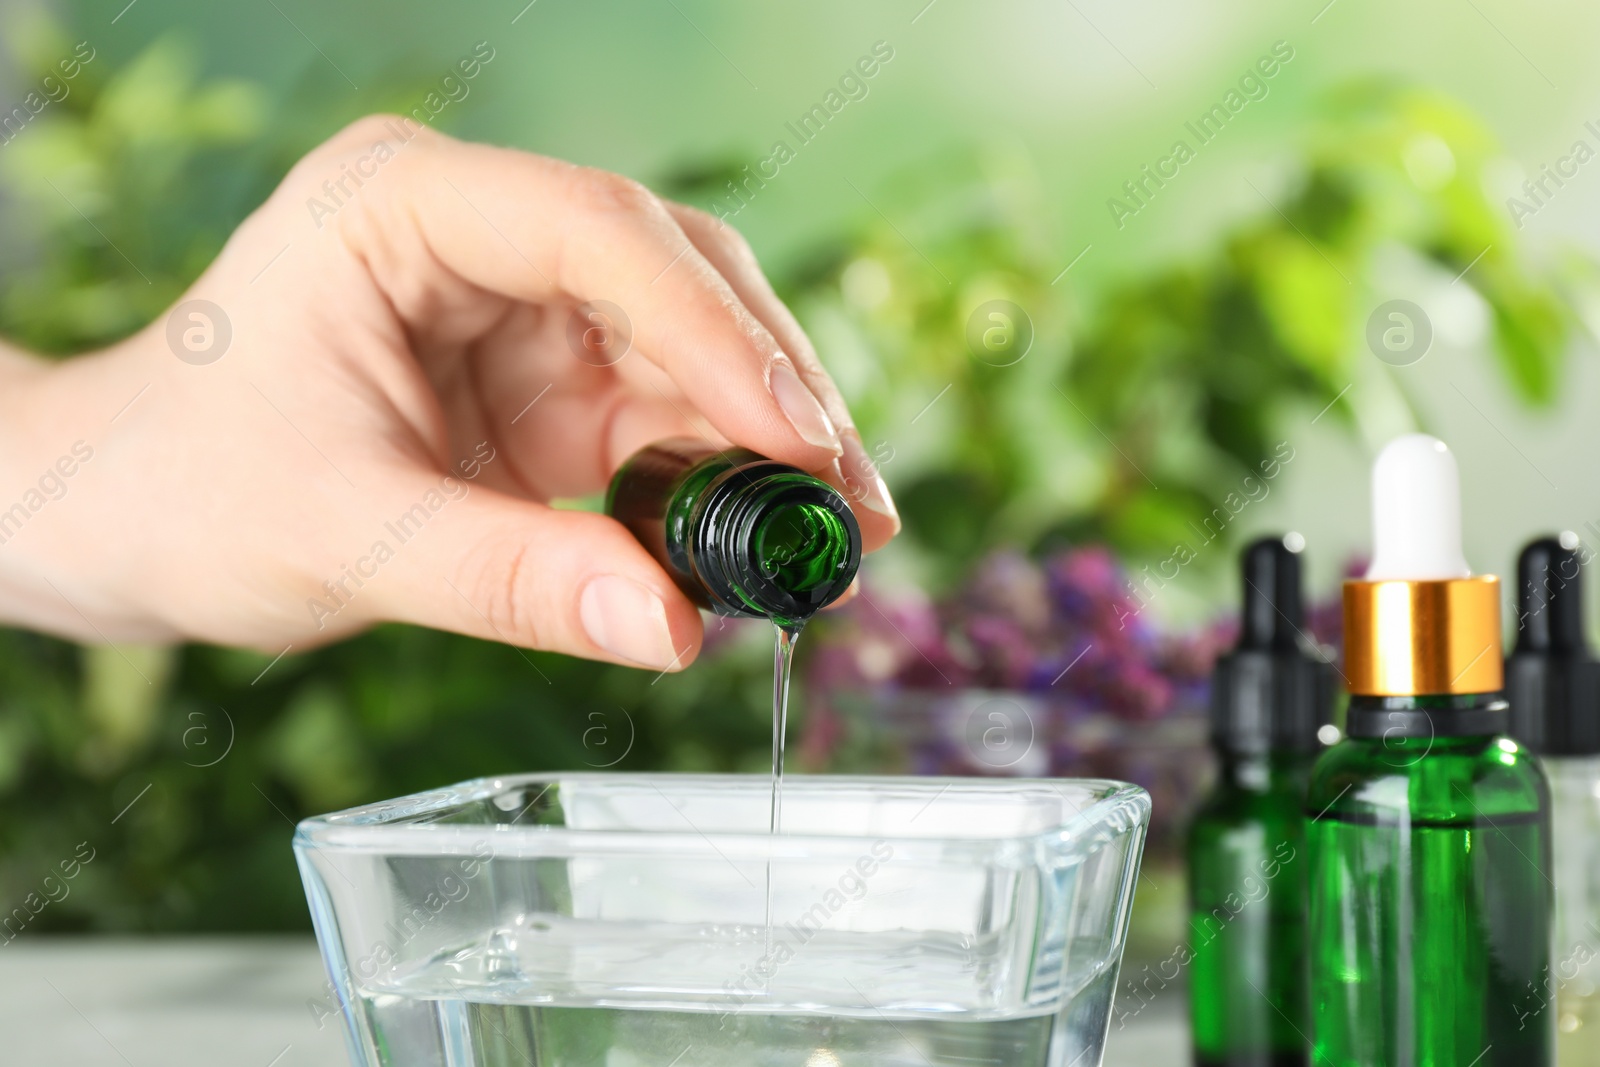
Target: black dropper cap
[1271, 693]
[1551, 679]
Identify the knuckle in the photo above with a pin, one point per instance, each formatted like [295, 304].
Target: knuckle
[364, 136]
[336, 170]
[622, 195]
[698, 219]
[363, 131]
[732, 239]
[722, 233]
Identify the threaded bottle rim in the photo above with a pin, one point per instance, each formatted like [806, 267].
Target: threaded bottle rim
[771, 540]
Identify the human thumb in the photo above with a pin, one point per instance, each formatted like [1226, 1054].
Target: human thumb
[505, 569]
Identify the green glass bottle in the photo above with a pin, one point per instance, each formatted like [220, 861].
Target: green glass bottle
[1428, 829]
[1249, 1000]
[1431, 905]
[1553, 684]
[739, 533]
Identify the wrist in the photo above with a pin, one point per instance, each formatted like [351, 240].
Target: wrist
[53, 533]
[25, 384]
[21, 381]
[19, 373]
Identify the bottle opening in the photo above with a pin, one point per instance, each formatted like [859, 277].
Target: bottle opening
[801, 547]
[783, 545]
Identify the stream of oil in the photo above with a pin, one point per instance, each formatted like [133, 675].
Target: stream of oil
[784, 638]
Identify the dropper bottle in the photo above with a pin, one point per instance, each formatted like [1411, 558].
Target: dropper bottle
[1554, 691]
[1249, 1000]
[1428, 828]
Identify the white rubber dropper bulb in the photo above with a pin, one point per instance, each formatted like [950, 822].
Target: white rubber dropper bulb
[1416, 512]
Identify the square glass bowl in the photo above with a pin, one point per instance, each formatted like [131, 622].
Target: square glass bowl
[640, 920]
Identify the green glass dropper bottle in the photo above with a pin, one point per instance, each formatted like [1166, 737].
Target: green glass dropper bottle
[1249, 1002]
[1553, 684]
[1428, 828]
[740, 534]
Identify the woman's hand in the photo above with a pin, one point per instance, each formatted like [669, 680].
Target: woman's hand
[361, 409]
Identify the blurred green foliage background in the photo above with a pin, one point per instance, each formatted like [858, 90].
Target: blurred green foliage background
[1159, 372]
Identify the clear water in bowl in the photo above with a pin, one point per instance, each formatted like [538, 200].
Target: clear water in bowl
[419, 1025]
[608, 921]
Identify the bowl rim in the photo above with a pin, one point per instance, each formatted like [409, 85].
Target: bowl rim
[1113, 809]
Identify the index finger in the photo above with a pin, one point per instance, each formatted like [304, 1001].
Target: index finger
[532, 228]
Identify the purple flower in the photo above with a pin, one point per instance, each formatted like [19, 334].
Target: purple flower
[1114, 694]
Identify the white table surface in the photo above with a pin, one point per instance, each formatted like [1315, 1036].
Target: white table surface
[242, 1002]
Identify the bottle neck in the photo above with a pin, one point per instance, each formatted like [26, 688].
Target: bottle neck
[1269, 700]
[772, 541]
[1262, 771]
[1555, 702]
[1433, 715]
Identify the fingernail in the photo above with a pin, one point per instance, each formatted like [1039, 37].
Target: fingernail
[862, 482]
[627, 620]
[802, 407]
